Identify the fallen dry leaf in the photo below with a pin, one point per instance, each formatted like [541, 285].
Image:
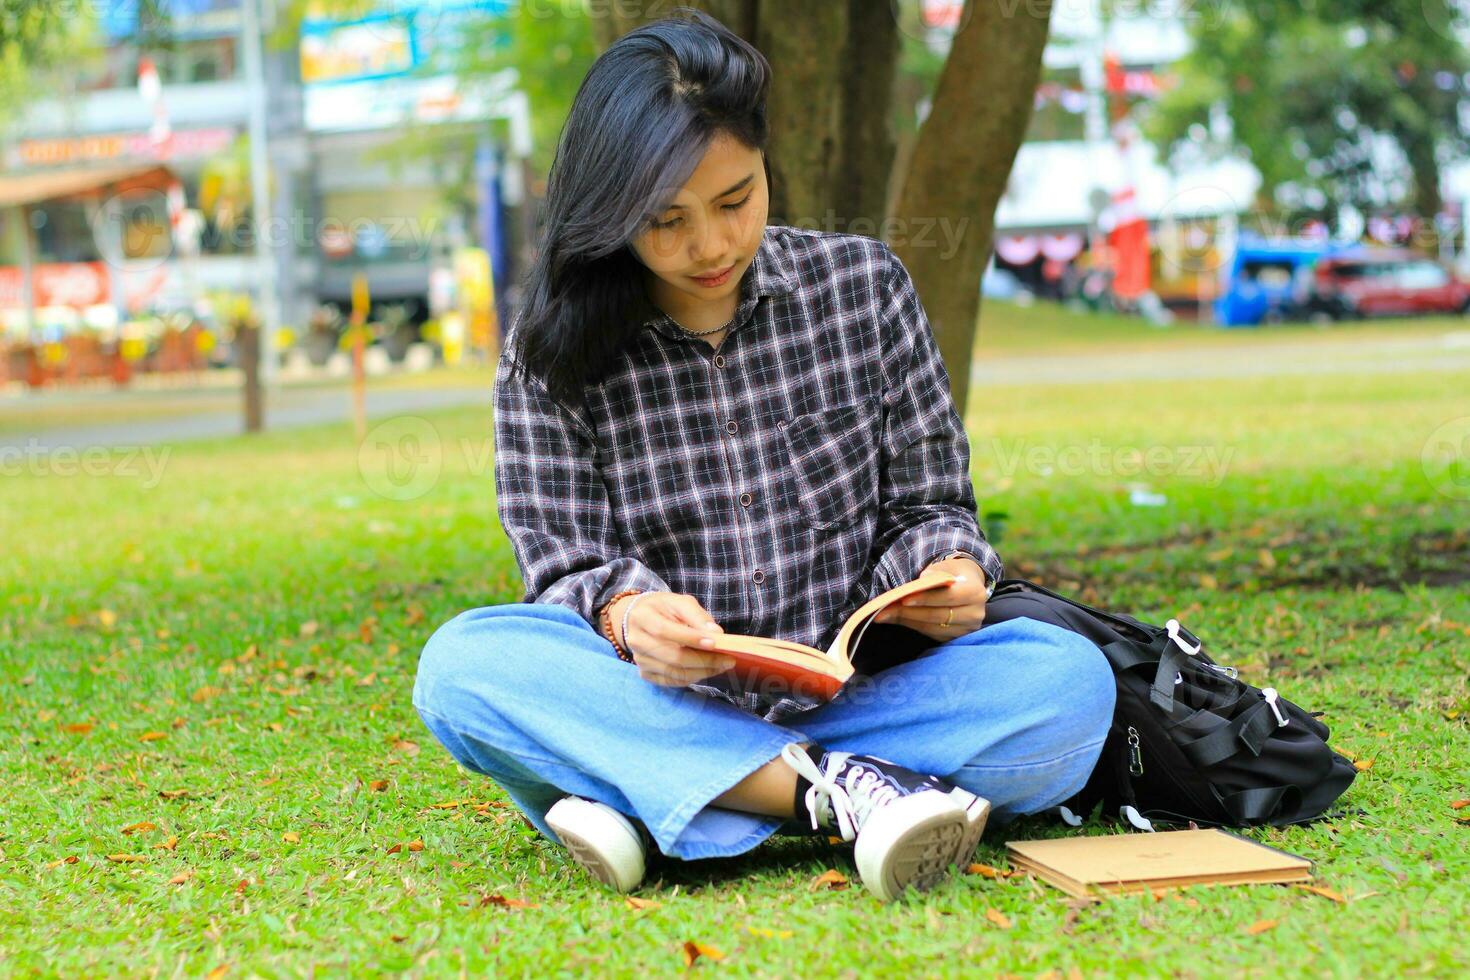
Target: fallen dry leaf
[641, 904]
[172, 794]
[1324, 892]
[182, 877]
[987, 871]
[768, 933]
[378, 785]
[1362, 764]
[217, 972]
[415, 845]
[998, 917]
[830, 880]
[500, 901]
[291, 837]
[1260, 926]
[137, 828]
[1459, 804]
[169, 845]
[693, 951]
[127, 858]
[78, 728]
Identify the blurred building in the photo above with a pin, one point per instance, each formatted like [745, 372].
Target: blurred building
[131, 193]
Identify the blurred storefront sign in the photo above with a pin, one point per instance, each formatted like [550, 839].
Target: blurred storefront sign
[179, 144]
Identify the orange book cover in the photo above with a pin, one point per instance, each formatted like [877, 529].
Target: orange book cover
[764, 662]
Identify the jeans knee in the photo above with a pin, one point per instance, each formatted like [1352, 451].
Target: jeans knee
[444, 649]
[1084, 682]
[490, 649]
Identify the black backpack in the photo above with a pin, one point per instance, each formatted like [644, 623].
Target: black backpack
[1190, 741]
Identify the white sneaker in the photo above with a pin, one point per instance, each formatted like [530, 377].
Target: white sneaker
[601, 840]
[977, 812]
[911, 829]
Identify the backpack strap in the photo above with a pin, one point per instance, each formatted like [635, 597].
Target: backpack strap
[1251, 728]
[1180, 645]
[1258, 804]
[1125, 655]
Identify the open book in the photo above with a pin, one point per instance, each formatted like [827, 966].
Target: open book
[765, 663]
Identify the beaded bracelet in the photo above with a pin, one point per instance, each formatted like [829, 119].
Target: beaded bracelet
[607, 623]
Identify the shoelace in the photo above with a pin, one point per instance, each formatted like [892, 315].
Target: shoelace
[850, 805]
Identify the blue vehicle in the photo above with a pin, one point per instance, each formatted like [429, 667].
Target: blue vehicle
[1261, 282]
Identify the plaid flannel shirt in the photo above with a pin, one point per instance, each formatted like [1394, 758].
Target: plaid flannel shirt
[811, 462]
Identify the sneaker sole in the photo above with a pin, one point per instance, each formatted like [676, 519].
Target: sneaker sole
[598, 841]
[912, 841]
[977, 813]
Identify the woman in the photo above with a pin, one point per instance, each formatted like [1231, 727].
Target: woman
[702, 423]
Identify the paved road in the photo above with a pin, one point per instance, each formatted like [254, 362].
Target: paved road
[289, 409]
[295, 407]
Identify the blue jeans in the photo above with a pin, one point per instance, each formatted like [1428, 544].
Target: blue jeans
[532, 696]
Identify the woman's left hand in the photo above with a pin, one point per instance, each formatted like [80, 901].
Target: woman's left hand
[961, 603]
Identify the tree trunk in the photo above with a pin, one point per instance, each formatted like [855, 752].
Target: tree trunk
[831, 147]
[961, 164]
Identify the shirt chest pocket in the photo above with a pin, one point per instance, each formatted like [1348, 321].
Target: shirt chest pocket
[833, 455]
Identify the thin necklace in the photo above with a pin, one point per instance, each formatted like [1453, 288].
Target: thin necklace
[701, 333]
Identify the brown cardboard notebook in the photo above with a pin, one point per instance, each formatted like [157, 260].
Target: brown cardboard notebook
[1087, 866]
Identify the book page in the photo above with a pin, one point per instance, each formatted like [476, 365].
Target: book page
[840, 652]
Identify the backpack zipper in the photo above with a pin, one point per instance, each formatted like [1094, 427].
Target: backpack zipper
[1135, 753]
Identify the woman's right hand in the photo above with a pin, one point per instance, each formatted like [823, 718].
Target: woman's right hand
[664, 633]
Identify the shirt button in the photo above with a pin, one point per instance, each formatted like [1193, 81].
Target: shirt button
[719, 360]
[730, 427]
[745, 500]
[758, 577]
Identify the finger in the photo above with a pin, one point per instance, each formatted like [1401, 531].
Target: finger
[687, 609]
[675, 629]
[689, 658]
[673, 658]
[676, 678]
[953, 594]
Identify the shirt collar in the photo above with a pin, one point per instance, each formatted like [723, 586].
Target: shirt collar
[771, 273]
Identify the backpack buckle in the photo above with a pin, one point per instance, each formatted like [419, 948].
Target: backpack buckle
[1175, 630]
[1269, 693]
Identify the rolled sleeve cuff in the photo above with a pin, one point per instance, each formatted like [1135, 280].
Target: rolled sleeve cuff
[587, 591]
[918, 547]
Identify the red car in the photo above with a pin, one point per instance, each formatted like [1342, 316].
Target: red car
[1383, 282]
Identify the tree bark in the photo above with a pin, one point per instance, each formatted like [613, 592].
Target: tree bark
[961, 163]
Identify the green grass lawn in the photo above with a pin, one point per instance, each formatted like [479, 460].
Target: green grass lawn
[211, 761]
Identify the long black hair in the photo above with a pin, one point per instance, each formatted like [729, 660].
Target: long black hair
[639, 125]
